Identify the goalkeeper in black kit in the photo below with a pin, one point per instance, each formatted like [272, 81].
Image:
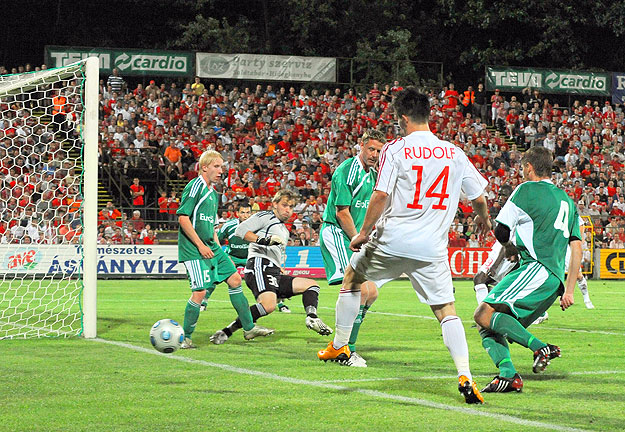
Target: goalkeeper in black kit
[268, 236]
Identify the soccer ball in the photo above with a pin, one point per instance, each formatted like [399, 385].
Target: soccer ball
[166, 335]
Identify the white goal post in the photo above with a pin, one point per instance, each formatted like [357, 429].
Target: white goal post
[48, 202]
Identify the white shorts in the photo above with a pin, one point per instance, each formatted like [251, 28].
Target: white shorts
[504, 267]
[430, 280]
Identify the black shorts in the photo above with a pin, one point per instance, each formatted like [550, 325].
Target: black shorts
[262, 275]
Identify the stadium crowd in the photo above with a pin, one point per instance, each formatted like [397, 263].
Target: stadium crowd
[275, 138]
[39, 180]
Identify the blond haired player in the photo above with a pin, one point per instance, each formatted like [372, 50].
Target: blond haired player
[200, 252]
[412, 207]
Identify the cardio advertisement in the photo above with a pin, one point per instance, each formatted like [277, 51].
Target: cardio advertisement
[162, 261]
[128, 61]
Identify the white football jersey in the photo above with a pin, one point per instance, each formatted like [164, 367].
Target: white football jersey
[424, 177]
[567, 257]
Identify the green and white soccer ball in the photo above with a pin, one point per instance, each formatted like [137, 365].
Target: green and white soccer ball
[166, 335]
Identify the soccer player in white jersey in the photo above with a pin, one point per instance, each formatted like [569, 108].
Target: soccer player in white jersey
[582, 283]
[499, 263]
[412, 207]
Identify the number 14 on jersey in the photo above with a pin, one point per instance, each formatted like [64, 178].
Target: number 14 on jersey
[442, 178]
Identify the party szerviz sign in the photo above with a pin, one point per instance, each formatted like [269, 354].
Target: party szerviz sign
[128, 61]
[548, 80]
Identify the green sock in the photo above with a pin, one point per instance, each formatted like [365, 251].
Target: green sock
[508, 326]
[357, 322]
[242, 307]
[207, 295]
[191, 314]
[497, 348]
[279, 305]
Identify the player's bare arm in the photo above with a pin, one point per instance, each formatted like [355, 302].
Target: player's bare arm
[187, 227]
[574, 264]
[498, 260]
[510, 252]
[482, 220]
[346, 221]
[376, 207]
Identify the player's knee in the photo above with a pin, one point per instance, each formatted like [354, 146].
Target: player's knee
[269, 306]
[479, 278]
[369, 291]
[352, 279]
[198, 296]
[234, 280]
[482, 315]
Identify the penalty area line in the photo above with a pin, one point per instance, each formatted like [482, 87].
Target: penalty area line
[330, 386]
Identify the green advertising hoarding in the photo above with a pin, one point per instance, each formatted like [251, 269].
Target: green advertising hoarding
[548, 80]
[129, 61]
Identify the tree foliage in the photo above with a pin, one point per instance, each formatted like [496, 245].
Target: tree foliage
[213, 35]
[465, 35]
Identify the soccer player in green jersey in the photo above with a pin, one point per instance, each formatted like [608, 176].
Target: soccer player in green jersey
[352, 186]
[200, 252]
[544, 220]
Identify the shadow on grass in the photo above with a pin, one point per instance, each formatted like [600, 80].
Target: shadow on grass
[106, 325]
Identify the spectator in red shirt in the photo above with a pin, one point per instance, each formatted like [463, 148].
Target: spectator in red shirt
[163, 208]
[136, 192]
[109, 212]
[452, 97]
[150, 239]
[172, 204]
[136, 221]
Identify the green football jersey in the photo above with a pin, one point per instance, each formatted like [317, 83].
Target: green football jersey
[351, 186]
[543, 218]
[236, 247]
[199, 202]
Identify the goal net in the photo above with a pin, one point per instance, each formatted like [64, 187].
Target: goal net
[48, 201]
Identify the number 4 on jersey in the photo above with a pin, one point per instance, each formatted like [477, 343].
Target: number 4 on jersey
[442, 177]
[562, 220]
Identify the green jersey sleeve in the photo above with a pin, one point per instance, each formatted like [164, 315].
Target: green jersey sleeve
[187, 202]
[227, 230]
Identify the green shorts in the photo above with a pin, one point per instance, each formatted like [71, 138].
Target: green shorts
[206, 273]
[238, 262]
[528, 291]
[201, 273]
[335, 252]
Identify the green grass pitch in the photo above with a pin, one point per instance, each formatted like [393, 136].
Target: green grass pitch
[119, 383]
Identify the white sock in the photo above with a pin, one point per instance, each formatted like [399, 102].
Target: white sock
[456, 342]
[481, 291]
[583, 287]
[347, 307]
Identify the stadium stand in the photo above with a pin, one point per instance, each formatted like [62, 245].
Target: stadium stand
[273, 138]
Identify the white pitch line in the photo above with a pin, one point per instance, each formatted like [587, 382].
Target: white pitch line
[425, 317]
[436, 377]
[586, 331]
[329, 386]
[434, 318]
